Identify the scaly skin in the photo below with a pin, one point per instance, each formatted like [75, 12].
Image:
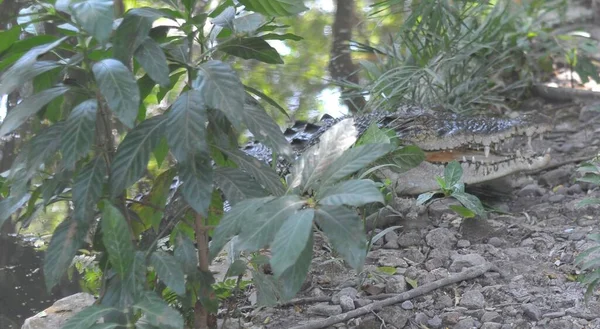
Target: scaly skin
[481, 144]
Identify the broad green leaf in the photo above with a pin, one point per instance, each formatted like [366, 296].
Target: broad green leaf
[237, 185]
[315, 161]
[225, 18]
[373, 135]
[267, 99]
[470, 201]
[424, 197]
[295, 275]
[352, 193]
[161, 151]
[267, 290]
[95, 17]
[408, 157]
[221, 89]
[134, 152]
[197, 177]
[186, 126]
[169, 271]
[87, 189]
[185, 253]
[291, 240]
[117, 240]
[252, 48]
[66, 240]
[42, 147]
[353, 160]
[28, 107]
[152, 58]
[27, 66]
[158, 312]
[232, 221]
[588, 178]
[462, 211]
[119, 88]
[248, 23]
[453, 173]
[11, 204]
[7, 38]
[345, 231]
[79, 132]
[106, 326]
[259, 230]
[282, 37]
[275, 8]
[582, 203]
[263, 174]
[88, 317]
[132, 31]
[123, 293]
[158, 198]
[265, 129]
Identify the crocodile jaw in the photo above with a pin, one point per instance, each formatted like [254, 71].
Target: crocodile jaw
[421, 179]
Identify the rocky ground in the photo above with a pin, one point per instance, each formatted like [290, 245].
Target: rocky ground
[530, 242]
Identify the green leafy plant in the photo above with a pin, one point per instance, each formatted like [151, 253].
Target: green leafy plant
[450, 186]
[467, 55]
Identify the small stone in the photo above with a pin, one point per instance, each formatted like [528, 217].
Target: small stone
[324, 309]
[409, 239]
[346, 303]
[396, 284]
[407, 305]
[491, 325]
[496, 242]
[463, 244]
[556, 198]
[556, 177]
[450, 318]
[467, 323]
[443, 301]
[440, 238]
[391, 236]
[395, 315]
[532, 312]
[473, 299]
[349, 291]
[421, 318]
[575, 189]
[491, 317]
[531, 190]
[414, 255]
[435, 322]
[468, 260]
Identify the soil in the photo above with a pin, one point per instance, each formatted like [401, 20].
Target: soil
[530, 241]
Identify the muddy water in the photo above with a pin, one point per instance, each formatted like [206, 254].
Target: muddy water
[22, 289]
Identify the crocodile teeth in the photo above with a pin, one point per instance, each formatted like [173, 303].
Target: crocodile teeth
[473, 158]
[464, 158]
[519, 154]
[529, 143]
[541, 137]
[487, 151]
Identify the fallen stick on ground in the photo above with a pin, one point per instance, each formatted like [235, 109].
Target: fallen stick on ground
[470, 273]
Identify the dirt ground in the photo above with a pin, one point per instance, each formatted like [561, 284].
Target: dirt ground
[530, 242]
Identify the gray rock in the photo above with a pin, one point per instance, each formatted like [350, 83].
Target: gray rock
[491, 317]
[394, 315]
[385, 257]
[463, 244]
[360, 302]
[467, 323]
[491, 325]
[473, 299]
[531, 190]
[55, 316]
[434, 323]
[409, 239]
[575, 189]
[414, 254]
[443, 301]
[391, 236]
[450, 318]
[468, 260]
[324, 309]
[347, 303]
[496, 242]
[556, 198]
[349, 291]
[395, 284]
[440, 238]
[434, 263]
[407, 305]
[421, 318]
[532, 312]
[556, 177]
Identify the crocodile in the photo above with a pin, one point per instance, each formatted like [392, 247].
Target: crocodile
[486, 147]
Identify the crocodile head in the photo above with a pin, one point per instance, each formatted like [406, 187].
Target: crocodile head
[487, 148]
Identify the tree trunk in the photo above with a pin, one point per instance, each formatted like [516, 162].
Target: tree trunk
[341, 67]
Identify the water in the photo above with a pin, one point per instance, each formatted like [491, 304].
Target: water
[22, 289]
